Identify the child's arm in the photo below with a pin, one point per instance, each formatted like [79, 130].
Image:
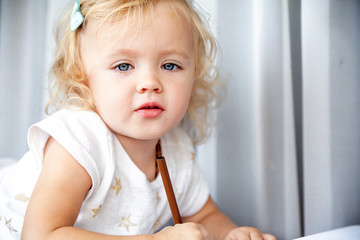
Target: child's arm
[57, 198]
[220, 227]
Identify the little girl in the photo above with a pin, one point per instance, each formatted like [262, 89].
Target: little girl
[128, 74]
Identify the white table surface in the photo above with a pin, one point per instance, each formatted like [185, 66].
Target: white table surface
[346, 233]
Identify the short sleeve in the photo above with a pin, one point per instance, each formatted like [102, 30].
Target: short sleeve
[81, 133]
[196, 192]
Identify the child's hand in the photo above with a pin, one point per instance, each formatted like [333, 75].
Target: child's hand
[189, 231]
[248, 233]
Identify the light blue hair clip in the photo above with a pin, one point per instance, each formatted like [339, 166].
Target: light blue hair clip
[76, 18]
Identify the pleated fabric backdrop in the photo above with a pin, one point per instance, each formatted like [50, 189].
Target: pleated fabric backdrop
[284, 156]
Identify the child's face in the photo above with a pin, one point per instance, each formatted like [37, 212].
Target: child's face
[141, 82]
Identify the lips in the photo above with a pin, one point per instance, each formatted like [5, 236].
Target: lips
[150, 110]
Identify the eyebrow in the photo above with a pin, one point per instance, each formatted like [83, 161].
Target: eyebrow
[181, 53]
[127, 52]
[134, 53]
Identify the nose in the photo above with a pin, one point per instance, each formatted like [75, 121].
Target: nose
[149, 82]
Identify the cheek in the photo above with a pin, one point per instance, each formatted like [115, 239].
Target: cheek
[104, 86]
[108, 98]
[111, 98]
[182, 99]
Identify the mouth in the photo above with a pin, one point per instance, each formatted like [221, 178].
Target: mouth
[150, 107]
[150, 110]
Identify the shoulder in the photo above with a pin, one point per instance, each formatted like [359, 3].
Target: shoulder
[82, 124]
[178, 138]
[185, 174]
[178, 148]
[81, 133]
[73, 118]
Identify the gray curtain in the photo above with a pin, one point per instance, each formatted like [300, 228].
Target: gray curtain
[22, 73]
[285, 153]
[288, 134]
[331, 113]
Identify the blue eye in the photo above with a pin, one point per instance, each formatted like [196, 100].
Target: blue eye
[123, 67]
[170, 66]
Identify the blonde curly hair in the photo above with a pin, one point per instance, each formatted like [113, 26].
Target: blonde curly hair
[68, 90]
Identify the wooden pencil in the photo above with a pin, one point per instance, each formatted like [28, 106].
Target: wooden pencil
[167, 185]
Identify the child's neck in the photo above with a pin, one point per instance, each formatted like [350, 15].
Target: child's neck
[142, 153]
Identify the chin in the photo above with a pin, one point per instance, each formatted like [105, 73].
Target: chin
[146, 135]
[150, 135]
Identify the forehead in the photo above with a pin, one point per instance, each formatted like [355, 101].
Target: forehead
[164, 24]
[134, 20]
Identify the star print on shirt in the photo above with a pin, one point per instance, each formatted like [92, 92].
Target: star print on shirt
[157, 224]
[22, 197]
[117, 187]
[177, 193]
[8, 224]
[127, 223]
[158, 198]
[192, 156]
[96, 211]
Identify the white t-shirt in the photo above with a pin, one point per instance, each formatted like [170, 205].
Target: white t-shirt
[121, 201]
